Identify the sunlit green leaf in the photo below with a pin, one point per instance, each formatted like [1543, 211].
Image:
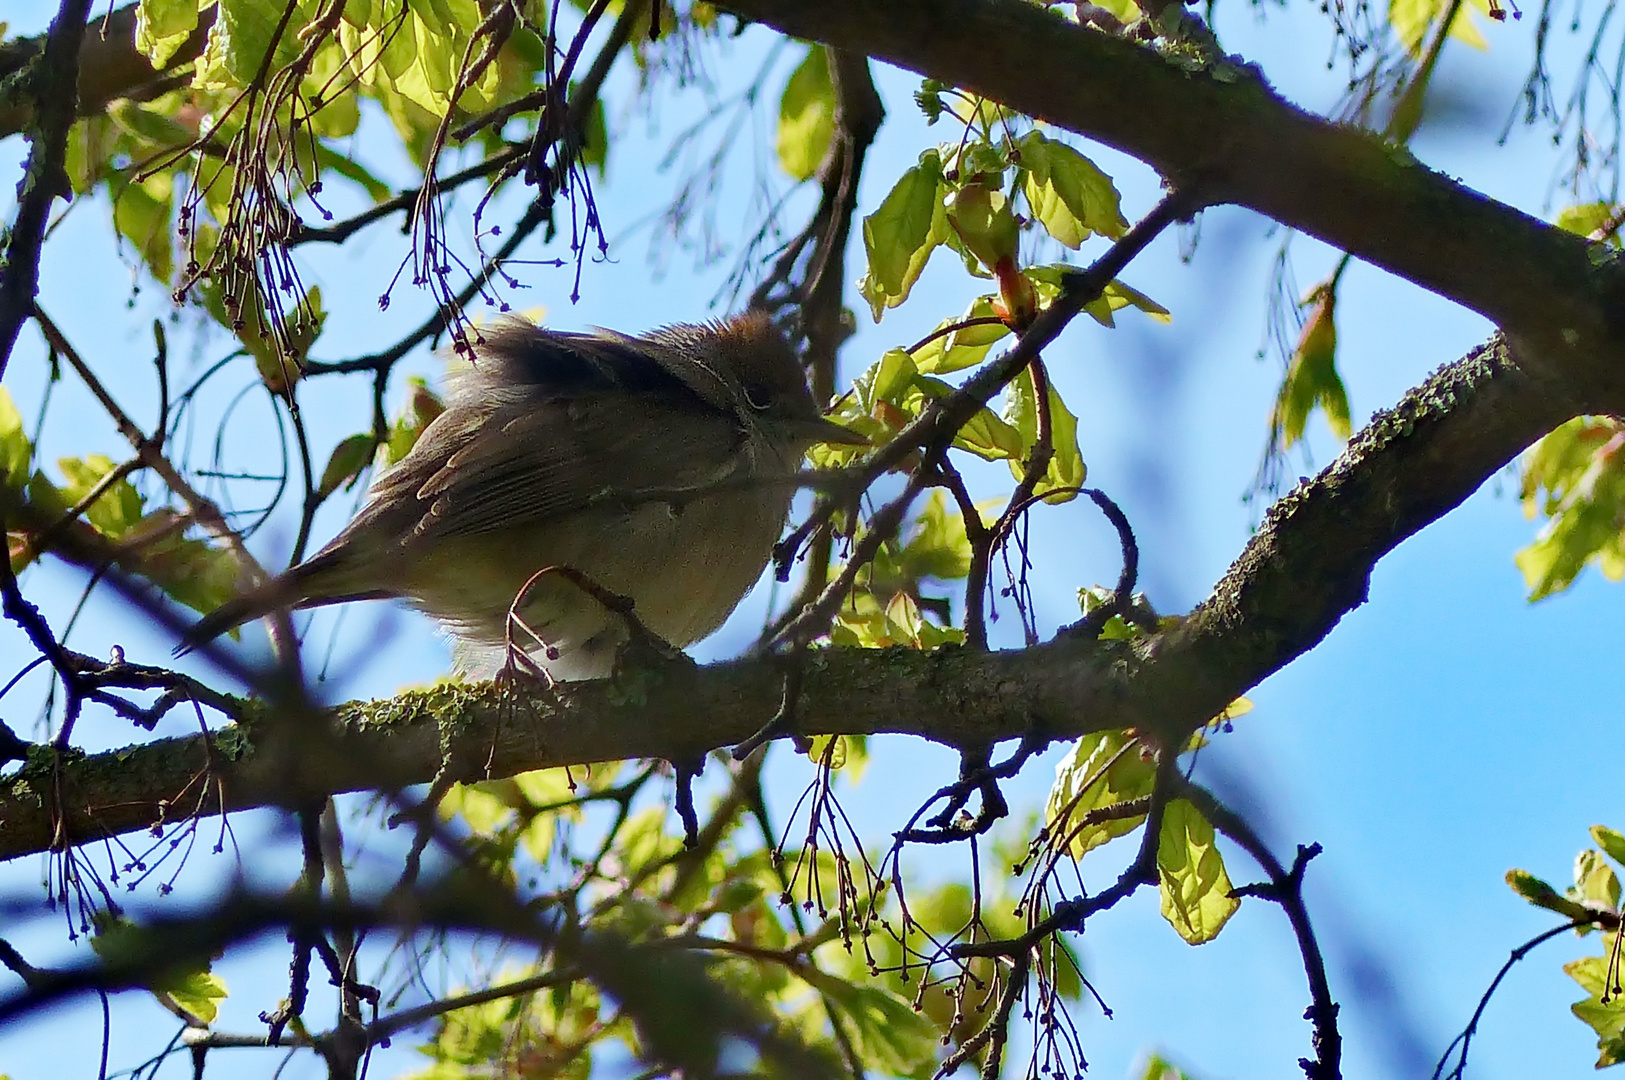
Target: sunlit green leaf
[116, 509]
[1607, 1019]
[1576, 476]
[339, 111]
[242, 34]
[1116, 296]
[965, 347]
[1069, 194]
[1101, 770]
[1611, 841]
[1196, 898]
[1066, 470]
[828, 750]
[1412, 21]
[188, 570]
[1541, 894]
[162, 26]
[15, 450]
[188, 984]
[806, 116]
[349, 457]
[1588, 219]
[989, 437]
[888, 1036]
[199, 993]
[1594, 880]
[981, 216]
[1158, 1068]
[899, 236]
[141, 213]
[1311, 379]
[937, 547]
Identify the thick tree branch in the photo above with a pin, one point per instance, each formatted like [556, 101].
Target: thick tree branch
[950, 696]
[1305, 568]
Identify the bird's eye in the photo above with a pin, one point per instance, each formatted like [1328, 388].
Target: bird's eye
[758, 396]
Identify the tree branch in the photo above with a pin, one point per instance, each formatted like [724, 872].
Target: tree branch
[48, 78]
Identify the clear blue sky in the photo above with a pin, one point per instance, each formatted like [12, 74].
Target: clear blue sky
[1445, 732]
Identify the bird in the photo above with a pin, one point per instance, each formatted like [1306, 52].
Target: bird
[566, 465]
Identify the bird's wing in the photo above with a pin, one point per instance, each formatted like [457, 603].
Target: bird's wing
[535, 462]
[544, 424]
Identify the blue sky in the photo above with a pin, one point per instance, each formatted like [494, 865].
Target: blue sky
[1445, 732]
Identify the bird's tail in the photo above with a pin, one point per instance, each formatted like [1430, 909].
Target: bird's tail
[237, 611]
[321, 580]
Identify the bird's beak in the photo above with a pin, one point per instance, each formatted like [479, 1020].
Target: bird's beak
[823, 430]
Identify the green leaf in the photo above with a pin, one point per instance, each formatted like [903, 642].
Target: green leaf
[346, 167]
[1048, 280]
[1066, 468]
[148, 124]
[1595, 883]
[344, 466]
[337, 110]
[980, 216]
[962, 348]
[1588, 219]
[189, 571]
[15, 450]
[241, 36]
[938, 547]
[1196, 898]
[1069, 194]
[806, 116]
[400, 47]
[832, 745]
[199, 993]
[1539, 893]
[1159, 1068]
[1607, 1019]
[162, 27]
[1412, 20]
[991, 438]
[863, 624]
[1611, 842]
[929, 99]
[888, 379]
[1101, 770]
[1116, 296]
[888, 1036]
[116, 509]
[142, 215]
[422, 407]
[481, 807]
[595, 138]
[188, 985]
[278, 352]
[901, 234]
[1311, 377]
[1576, 476]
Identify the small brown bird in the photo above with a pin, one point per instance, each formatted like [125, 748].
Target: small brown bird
[628, 460]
